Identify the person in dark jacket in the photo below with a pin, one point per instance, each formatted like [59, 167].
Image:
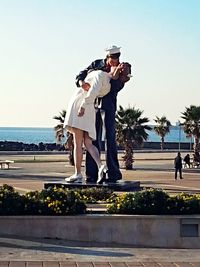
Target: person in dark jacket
[187, 161]
[106, 106]
[178, 165]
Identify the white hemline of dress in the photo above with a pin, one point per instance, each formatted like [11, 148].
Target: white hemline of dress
[100, 86]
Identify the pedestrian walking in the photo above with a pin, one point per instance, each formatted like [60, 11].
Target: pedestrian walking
[178, 165]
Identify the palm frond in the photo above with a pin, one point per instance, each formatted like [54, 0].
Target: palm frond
[191, 124]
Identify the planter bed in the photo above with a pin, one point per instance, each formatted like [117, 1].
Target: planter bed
[164, 231]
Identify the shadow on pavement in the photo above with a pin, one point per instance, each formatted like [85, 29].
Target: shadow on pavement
[58, 246]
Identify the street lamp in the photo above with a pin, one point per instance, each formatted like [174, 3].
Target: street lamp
[179, 137]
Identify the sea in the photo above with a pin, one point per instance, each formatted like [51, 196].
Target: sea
[35, 135]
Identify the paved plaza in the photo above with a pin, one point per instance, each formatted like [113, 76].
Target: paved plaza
[48, 252]
[152, 169]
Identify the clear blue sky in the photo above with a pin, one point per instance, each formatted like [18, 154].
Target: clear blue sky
[45, 43]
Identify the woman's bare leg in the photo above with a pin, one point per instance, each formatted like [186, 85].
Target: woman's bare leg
[78, 151]
[95, 155]
[92, 149]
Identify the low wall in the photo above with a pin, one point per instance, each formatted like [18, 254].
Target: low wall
[167, 145]
[134, 230]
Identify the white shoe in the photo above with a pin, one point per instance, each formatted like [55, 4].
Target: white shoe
[78, 178]
[103, 169]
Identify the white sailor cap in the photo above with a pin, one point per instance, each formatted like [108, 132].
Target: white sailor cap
[113, 49]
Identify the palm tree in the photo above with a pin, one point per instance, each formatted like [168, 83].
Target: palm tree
[162, 128]
[130, 130]
[191, 124]
[59, 130]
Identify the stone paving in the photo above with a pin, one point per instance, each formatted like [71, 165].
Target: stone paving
[96, 264]
[15, 251]
[151, 169]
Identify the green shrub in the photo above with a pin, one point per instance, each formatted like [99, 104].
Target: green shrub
[151, 201]
[93, 195]
[55, 201]
[183, 204]
[11, 203]
[122, 204]
[154, 201]
[60, 201]
[33, 205]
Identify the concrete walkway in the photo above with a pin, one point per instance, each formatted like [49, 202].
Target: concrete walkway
[153, 170]
[96, 264]
[15, 251]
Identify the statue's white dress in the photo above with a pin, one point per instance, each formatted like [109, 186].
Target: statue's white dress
[99, 86]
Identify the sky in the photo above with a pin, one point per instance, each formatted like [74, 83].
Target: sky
[44, 44]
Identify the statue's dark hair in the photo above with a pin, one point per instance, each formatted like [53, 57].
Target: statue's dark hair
[114, 56]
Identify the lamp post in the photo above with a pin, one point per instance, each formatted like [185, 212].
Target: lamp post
[179, 137]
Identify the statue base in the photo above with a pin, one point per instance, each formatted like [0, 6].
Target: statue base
[121, 186]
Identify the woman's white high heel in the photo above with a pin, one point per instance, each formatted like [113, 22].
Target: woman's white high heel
[103, 169]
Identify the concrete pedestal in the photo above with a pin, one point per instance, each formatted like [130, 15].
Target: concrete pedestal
[122, 186]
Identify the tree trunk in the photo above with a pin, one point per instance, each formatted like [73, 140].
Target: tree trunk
[70, 146]
[196, 144]
[162, 143]
[128, 157]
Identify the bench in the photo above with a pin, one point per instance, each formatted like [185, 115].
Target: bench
[5, 164]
